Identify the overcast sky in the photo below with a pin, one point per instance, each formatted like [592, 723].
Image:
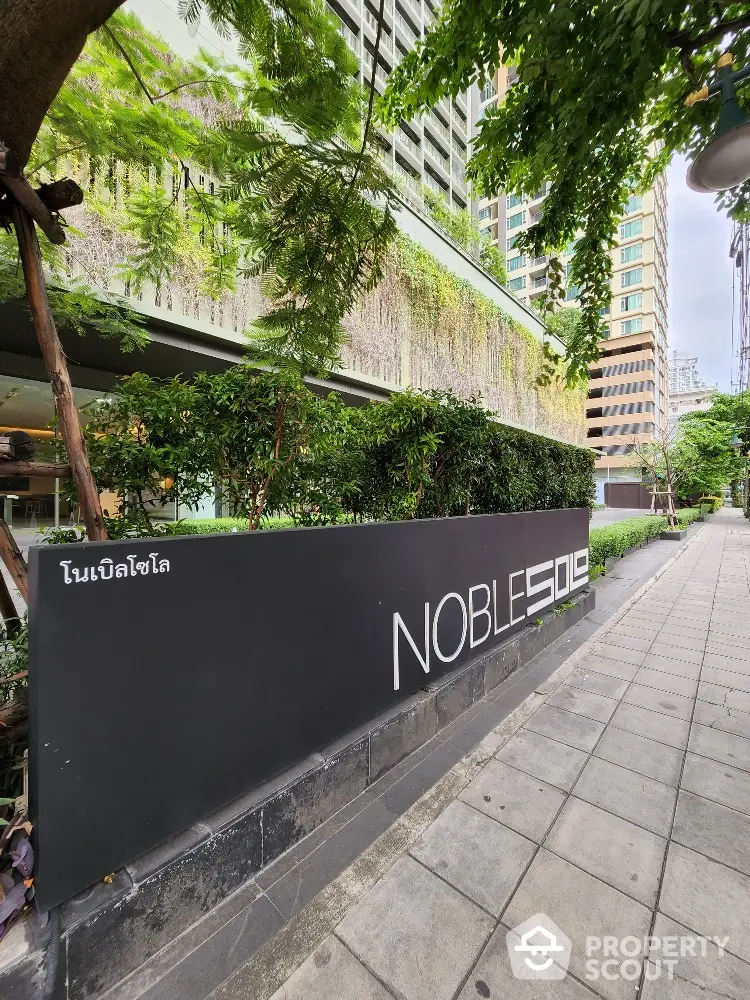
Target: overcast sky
[700, 279]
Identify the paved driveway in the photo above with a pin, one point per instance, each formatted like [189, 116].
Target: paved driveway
[612, 514]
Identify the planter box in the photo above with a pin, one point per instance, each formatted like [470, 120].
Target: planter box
[674, 536]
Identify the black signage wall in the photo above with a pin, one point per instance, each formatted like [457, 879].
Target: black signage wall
[168, 677]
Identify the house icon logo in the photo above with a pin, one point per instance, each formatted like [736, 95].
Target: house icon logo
[538, 949]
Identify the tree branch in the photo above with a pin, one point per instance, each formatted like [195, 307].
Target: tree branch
[684, 42]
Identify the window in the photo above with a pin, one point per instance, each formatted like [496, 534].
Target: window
[515, 262]
[488, 92]
[632, 277]
[633, 252]
[630, 229]
[629, 326]
[572, 293]
[570, 248]
[604, 311]
[485, 213]
[511, 242]
[635, 203]
[516, 284]
[516, 220]
[512, 200]
[628, 302]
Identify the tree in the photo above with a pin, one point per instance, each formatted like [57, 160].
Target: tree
[657, 457]
[598, 110]
[300, 198]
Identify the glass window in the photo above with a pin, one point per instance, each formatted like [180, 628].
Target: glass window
[628, 302]
[485, 213]
[512, 200]
[516, 220]
[632, 277]
[516, 284]
[634, 252]
[572, 293]
[515, 262]
[635, 202]
[604, 311]
[630, 229]
[634, 325]
[511, 242]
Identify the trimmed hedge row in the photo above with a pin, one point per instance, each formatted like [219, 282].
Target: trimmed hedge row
[616, 539]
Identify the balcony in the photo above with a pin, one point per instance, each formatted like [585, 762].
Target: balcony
[538, 262]
[411, 187]
[433, 185]
[434, 154]
[351, 39]
[413, 10]
[371, 22]
[460, 102]
[459, 126]
[434, 123]
[406, 29]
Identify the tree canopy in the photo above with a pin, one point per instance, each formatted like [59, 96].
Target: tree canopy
[598, 110]
[264, 167]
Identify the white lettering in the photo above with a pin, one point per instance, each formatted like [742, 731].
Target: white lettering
[562, 591]
[424, 661]
[435, 621]
[580, 569]
[494, 608]
[546, 586]
[514, 597]
[475, 613]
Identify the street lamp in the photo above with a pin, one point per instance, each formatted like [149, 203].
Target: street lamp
[725, 162]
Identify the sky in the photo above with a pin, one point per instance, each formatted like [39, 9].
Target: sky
[700, 278]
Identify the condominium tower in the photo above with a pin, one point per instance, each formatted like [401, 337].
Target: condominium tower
[628, 385]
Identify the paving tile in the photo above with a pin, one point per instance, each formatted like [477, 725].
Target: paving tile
[591, 680]
[330, 973]
[717, 831]
[720, 662]
[682, 641]
[611, 667]
[628, 641]
[634, 797]
[696, 631]
[620, 853]
[707, 896]
[733, 629]
[587, 703]
[553, 762]
[718, 781]
[493, 977]
[527, 805]
[729, 720]
[727, 697]
[674, 705]
[669, 665]
[418, 935]
[723, 974]
[726, 747]
[732, 679]
[734, 650]
[673, 683]
[578, 902]
[653, 725]
[645, 756]
[676, 652]
[638, 628]
[575, 730]
[483, 859]
[622, 653]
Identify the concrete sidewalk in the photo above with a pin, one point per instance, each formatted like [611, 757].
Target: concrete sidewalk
[612, 809]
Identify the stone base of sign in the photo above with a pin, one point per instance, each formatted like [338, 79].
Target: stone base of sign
[114, 927]
[674, 536]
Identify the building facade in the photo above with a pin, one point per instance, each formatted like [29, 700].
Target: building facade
[687, 390]
[628, 387]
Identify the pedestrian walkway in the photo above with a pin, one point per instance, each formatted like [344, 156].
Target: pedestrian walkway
[608, 820]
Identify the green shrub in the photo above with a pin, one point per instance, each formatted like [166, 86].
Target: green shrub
[203, 526]
[616, 539]
[687, 515]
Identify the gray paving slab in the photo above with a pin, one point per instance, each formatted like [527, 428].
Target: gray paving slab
[578, 902]
[603, 684]
[710, 968]
[493, 977]
[566, 727]
[726, 747]
[613, 849]
[481, 858]
[726, 697]
[671, 651]
[670, 665]
[715, 830]
[332, 973]
[527, 805]
[654, 725]
[730, 720]
[718, 781]
[721, 677]
[721, 662]
[418, 935]
[672, 683]
[707, 896]
[587, 703]
[629, 641]
[682, 640]
[665, 702]
[629, 795]
[639, 754]
[553, 762]
[612, 667]
[732, 650]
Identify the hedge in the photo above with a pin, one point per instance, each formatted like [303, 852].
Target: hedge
[616, 539]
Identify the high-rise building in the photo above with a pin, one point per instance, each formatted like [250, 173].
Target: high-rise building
[628, 385]
[687, 390]
[432, 149]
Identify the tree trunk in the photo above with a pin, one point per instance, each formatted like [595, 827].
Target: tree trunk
[39, 42]
[11, 556]
[57, 369]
